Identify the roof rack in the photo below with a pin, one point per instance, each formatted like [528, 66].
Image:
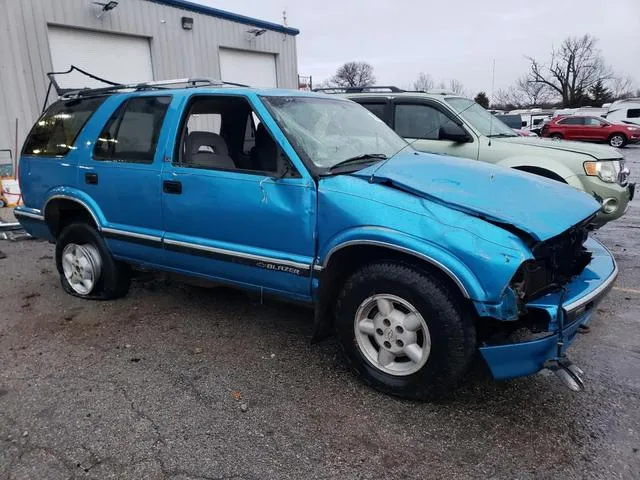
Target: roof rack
[69, 93]
[160, 84]
[368, 89]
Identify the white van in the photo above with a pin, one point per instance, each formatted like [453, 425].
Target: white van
[624, 111]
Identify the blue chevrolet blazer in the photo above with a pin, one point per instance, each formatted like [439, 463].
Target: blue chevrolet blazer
[416, 262]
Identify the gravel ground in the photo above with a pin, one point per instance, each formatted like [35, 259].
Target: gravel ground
[183, 382]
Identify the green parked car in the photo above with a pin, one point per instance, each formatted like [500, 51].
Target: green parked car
[456, 126]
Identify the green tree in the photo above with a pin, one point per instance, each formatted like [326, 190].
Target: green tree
[600, 94]
[482, 99]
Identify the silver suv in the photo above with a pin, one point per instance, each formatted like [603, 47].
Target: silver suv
[452, 125]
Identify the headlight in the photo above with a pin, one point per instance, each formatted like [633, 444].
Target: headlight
[607, 170]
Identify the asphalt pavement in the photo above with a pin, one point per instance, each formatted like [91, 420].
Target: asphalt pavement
[182, 382]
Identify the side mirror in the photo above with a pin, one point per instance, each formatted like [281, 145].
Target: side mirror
[453, 132]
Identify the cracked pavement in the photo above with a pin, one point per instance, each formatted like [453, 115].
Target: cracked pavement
[151, 387]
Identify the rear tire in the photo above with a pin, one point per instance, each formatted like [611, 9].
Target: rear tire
[87, 268]
[428, 338]
[557, 136]
[617, 140]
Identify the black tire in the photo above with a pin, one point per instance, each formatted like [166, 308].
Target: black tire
[115, 277]
[618, 137]
[557, 136]
[448, 318]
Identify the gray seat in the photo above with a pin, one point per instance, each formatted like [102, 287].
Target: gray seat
[207, 150]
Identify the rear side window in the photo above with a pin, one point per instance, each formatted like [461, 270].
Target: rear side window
[132, 132]
[56, 131]
[633, 113]
[376, 108]
[571, 121]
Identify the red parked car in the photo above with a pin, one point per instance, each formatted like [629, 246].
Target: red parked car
[593, 129]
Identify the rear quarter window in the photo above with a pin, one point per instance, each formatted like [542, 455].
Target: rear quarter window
[55, 133]
[132, 133]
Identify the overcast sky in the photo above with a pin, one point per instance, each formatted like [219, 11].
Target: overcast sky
[448, 38]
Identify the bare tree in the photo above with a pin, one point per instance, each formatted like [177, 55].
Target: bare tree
[572, 70]
[423, 83]
[532, 93]
[507, 98]
[354, 74]
[621, 87]
[456, 86]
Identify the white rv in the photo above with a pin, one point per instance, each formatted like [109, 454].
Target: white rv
[624, 111]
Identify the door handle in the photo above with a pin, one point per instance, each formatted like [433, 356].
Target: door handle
[91, 178]
[172, 186]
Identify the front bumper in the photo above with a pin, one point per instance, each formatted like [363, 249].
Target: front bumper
[607, 192]
[582, 295]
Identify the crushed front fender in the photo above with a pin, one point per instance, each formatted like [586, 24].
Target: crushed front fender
[577, 300]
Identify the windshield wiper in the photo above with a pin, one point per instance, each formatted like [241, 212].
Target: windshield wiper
[364, 158]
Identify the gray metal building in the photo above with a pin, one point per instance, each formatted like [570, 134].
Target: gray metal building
[129, 41]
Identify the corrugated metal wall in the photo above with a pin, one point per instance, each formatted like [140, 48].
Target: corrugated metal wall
[25, 57]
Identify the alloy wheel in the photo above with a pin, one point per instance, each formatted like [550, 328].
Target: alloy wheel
[392, 335]
[81, 265]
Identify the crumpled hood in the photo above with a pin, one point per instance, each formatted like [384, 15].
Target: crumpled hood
[540, 207]
[598, 152]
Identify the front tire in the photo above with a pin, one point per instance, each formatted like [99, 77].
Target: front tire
[406, 333]
[557, 136]
[617, 140]
[87, 268]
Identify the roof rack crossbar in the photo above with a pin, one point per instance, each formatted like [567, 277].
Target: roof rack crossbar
[367, 89]
[157, 84]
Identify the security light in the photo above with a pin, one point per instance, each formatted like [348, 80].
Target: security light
[106, 7]
[256, 32]
[187, 23]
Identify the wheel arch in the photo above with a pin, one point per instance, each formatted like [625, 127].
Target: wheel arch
[540, 171]
[348, 255]
[622, 134]
[62, 209]
[545, 167]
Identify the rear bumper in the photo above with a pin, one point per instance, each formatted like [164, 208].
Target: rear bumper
[583, 293]
[33, 222]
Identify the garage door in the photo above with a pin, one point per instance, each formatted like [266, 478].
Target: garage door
[250, 68]
[119, 58]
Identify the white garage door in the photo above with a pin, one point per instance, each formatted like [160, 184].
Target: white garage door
[118, 58]
[249, 68]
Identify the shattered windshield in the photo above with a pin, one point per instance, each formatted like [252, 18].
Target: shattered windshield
[482, 120]
[331, 131]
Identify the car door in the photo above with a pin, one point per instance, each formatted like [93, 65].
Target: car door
[571, 128]
[420, 123]
[237, 209]
[594, 129]
[122, 173]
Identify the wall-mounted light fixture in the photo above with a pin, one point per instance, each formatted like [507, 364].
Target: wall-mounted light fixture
[106, 7]
[256, 32]
[187, 23]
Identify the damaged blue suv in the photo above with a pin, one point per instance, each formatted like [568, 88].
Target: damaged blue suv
[416, 262]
